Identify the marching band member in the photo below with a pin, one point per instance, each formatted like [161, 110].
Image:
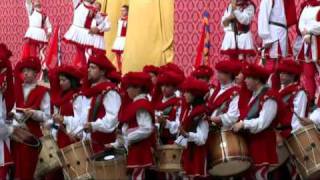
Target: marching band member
[274, 19]
[309, 27]
[39, 30]
[314, 117]
[194, 128]
[7, 102]
[32, 107]
[204, 73]
[102, 103]
[224, 102]
[168, 110]
[257, 118]
[137, 124]
[100, 25]
[236, 21]
[78, 33]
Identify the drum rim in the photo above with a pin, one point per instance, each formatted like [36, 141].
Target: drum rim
[169, 146]
[232, 158]
[75, 145]
[302, 130]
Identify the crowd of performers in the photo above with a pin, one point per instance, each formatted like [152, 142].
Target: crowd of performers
[139, 111]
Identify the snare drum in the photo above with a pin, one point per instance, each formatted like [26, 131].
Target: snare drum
[168, 158]
[229, 153]
[110, 165]
[48, 158]
[76, 161]
[304, 147]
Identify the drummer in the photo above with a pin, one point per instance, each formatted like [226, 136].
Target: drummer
[137, 125]
[257, 119]
[314, 117]
[101, 104]
[32, 109]
[223, 103]
[6, 104]
[194, 128]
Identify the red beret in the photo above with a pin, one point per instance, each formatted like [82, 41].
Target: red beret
[29, 62]
[102, 61]
[140, 79]
[255, 71]
[196, 87]
[151, 69]
[289, 66]
[70, 70]
[202, 71]
[172, 67]
[170, 78]
[114, 76]
[228, 66]
[5, 53]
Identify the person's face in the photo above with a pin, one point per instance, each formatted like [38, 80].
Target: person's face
[239, 78]
[251, 83]
[94, 73]
[97, 6]
[65, 83]
[123, 12]
[37, 5]
[29, 75]
[223, 78]
[286, 78]
[153, 78]
[133, 92]
[168, 90]
[188, 97]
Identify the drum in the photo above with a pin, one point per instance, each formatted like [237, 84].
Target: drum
[48, 158]
[283, 156]
[23, 136]
[76, 161]
[168, 158]
[110, 165]
[304, 147]
[228, 153]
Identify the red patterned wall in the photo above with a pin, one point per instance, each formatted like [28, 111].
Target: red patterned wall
[188, 16]
[14, 22]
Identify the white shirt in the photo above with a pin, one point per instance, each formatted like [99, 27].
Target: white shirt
[266, 115]
[300, 103]
[315, 116]
[35, 18]
[101, 22]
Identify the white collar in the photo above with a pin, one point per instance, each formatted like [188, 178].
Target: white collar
[140, 96]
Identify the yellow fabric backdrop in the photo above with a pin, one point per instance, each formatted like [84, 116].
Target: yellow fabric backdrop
[150, 32]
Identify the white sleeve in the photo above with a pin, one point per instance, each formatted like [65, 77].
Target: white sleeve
[144, 129]
[48, 25]
[73, 122]
[111, 103]
[75, 3]
[266, 116]
[315, 116]
[245, 17]
[225, 15]
[201, 134]
[44, 113]
[313, 28]
[29, 6]
[300, 103]
[302, 24]
[105, 25]
[263, 21]
[233, 113]
[173, 126]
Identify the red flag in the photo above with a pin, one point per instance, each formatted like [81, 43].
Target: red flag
[51, 60]
[200, 48]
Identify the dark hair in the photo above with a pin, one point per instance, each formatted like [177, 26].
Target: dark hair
[198, 101]
[75, 82]
[126, 7]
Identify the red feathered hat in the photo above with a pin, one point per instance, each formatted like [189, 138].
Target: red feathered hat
[196, 87]
[102, 61]
[140, 79]
[114, 76]
[70, 70]
[151, 69]
[228, 66]
[202, 71]
[172, 67]
[170, 78]
[289, 66]
[29, 62]
[255, 71]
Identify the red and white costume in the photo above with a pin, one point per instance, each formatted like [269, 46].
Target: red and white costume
[274, 19]
[119, 43]
[106, 99]
[315, 115]
[242, 43]
[194, 157]
[37, 98]
[101, 21]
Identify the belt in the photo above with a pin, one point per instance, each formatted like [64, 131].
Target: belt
[278, 24]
